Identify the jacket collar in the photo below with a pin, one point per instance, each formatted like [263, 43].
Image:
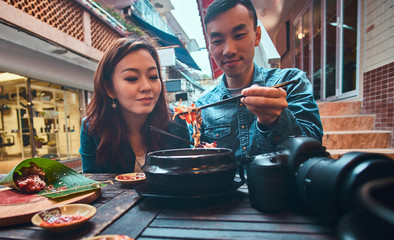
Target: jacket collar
[258, 78]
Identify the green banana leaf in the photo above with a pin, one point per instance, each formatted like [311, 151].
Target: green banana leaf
[58, 175]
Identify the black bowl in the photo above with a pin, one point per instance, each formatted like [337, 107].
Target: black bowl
[189, 172]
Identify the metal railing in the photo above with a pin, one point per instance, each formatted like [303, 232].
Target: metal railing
[147, 12]
[105, 15]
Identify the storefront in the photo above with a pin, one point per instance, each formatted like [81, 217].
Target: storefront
[44, 89]
[38, 119]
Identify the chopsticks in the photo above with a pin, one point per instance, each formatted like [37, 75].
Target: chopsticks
[169, 134]
[285, 83]
[235, 98]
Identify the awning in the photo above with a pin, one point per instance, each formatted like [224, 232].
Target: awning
[192, 82]
[165, 40]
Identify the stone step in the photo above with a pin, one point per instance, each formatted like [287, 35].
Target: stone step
[339, 108]
[356, 139]
[337, 153]
[348, 123]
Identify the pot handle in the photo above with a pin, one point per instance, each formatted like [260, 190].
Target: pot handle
[244, 162]
[242, 173]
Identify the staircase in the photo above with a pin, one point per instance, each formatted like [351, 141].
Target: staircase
[346, 130]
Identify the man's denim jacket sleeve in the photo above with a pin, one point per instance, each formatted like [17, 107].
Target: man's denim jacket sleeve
[233, 126]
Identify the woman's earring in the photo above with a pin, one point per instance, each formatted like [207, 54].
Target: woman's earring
[114, 104]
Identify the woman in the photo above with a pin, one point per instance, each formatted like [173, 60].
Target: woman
[128, 98]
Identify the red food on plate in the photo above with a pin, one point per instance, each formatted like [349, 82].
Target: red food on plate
[122, 177]
[61, 220]
[131, 177]
[32, 179]
[31, 184]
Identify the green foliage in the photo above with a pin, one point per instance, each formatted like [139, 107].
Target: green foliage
[120, 18]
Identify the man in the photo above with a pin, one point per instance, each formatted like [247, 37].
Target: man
[265, 116]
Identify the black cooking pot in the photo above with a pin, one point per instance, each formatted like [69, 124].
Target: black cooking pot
[190, 171]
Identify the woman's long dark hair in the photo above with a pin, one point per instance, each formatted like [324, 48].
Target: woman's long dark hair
[106, 123]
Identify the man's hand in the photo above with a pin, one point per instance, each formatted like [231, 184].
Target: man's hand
[265, 102]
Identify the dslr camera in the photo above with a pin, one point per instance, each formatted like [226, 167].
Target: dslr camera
[301, 171]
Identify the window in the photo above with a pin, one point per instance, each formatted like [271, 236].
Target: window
[331, 41]
[349, 63]
[316, 52]
[298, 40]
[306, 43]
[326, 42]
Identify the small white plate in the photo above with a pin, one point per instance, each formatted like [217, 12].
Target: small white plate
[131, 178]
[85, 210]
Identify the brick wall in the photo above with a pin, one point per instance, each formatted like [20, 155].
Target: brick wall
[93, 33]
[63, 15]
[378, 97]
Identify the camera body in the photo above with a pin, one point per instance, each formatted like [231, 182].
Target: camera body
[302, 171]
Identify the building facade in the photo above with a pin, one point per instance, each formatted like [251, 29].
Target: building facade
[346, 48]
[49, 51]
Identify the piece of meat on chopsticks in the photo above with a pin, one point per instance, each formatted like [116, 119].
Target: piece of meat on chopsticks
[192, 115]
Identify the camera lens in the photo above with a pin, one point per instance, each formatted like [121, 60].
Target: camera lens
[329, 185]
[372, 213]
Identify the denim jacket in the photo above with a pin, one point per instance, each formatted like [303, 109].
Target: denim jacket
[233, 126]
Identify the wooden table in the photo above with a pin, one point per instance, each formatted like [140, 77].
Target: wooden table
[120, 210]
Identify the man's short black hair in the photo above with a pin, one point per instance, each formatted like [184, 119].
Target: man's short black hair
[221, 6]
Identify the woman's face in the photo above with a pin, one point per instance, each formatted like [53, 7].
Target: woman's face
[136, 82]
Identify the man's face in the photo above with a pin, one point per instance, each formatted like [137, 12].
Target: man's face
[232, 38]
